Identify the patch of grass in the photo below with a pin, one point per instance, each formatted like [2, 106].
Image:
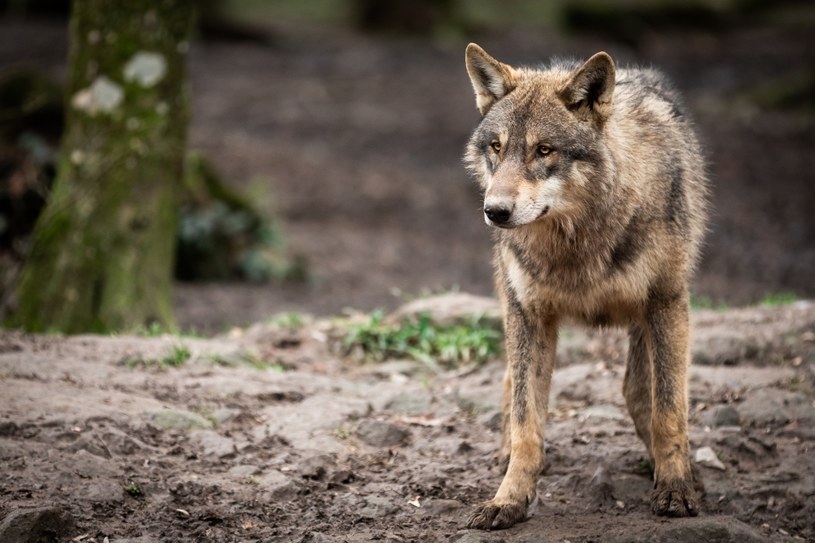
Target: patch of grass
[706, 302]
[156, 329]
[290, 319]
[178, 356]
[134, 490]
[779, 298]
[342, 432]
[424, 341]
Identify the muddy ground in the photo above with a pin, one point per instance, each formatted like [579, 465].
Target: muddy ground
[100, 440]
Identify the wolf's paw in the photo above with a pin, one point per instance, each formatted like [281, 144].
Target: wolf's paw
[494, 516]
[676, 499]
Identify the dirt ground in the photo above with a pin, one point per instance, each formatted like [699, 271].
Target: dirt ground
[359, 140]
[100, 442]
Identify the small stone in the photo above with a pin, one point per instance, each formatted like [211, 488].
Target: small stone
[416, 402]
[377, 507]
[242, 471]
[225, 414]
[707, 457]
[711, 529]
[214, 444]
[118, 442]
[720, 415]
[378, 433]
[602, 411]
[316, 467]
[104, 492]
[278, 486]
[492, 420]
[767, 406]
[33, 525]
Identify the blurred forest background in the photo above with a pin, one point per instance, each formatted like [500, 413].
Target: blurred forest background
[323, 163]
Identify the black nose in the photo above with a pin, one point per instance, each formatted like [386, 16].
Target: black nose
[497, 214]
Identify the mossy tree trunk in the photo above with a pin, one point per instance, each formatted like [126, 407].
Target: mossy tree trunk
[102, 251]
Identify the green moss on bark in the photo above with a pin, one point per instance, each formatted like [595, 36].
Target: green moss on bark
[102, 252]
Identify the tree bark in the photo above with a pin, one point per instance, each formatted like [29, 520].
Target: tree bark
[102, 252]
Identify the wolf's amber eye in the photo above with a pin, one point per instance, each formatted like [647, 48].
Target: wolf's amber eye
[495, 145]
[544, 150]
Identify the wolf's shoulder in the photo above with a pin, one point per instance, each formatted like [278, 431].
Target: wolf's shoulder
[640, 88]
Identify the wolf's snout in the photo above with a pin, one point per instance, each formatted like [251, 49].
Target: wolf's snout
[497, 214]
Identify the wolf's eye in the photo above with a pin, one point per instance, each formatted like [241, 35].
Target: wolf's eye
[544, 150]
[495, 145]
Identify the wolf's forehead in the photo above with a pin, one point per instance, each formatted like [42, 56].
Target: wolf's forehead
[531, 117]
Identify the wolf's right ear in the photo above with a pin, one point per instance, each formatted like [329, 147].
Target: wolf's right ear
[491, 79]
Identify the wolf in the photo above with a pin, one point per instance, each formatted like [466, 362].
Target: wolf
[595, 183]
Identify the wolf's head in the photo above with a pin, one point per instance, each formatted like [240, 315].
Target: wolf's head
[540, 148]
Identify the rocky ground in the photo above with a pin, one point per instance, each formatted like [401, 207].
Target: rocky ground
[270, 434]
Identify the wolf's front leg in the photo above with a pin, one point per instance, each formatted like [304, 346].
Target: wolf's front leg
[530, 344]
[668, 322]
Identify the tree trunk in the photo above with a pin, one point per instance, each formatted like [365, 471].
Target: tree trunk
[102, 251]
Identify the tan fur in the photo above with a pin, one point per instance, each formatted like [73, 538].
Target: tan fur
[595, 178]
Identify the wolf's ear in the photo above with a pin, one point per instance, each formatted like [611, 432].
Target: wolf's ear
[491, 79]
[590, 88]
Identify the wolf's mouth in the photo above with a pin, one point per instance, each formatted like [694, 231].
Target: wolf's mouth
[543, 212]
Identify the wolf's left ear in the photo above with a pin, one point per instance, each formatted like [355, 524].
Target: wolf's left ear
[491, 79]
[590, 88]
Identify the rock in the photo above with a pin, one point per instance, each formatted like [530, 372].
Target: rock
[118, 442]
[707, 457]
[709, 530]
[224, 414]
[34, 525]
[723, 347]
[89, 466]
[243, 471]
[601, 489]
[316, 467]
[602, 411]
[451, 308]
[377, 507]
[90, 444]
[720, 415]
[716, 529]
[767, 406]
[492, 420]
[177, 419]
[413, 403]
[104, 491]
[278, 486]
[214, 444]
[377, 433]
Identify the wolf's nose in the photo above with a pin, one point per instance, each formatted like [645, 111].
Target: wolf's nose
[497, 214]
